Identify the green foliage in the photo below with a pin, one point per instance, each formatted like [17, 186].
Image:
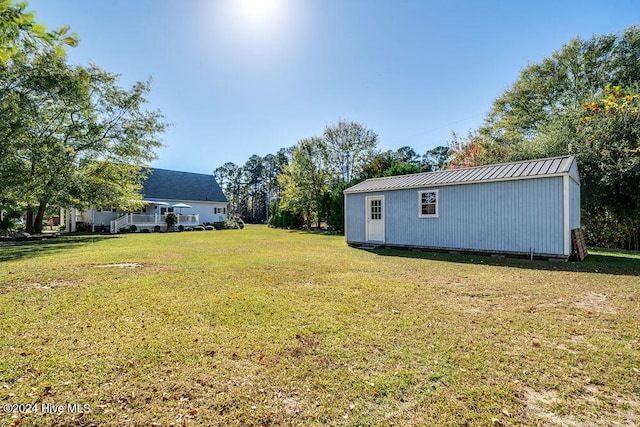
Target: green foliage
[402, 169]
[171, 219]
[604, 230]
[305, 179]
[350, 147]
[9, 220]
[335, 205]
[284, 218]
[71, 136]
[20, 33]
[436, 159]
[559, 84]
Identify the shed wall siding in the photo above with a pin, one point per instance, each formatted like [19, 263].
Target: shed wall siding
[510, 216]
[355, 217]
[574, 202]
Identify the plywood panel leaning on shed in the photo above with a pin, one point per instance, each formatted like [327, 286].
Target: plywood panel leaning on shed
[523, 208]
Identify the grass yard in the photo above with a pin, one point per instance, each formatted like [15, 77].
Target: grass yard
[270, 327]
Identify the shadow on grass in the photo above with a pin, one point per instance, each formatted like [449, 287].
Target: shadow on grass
[11, 250]
[602, 261]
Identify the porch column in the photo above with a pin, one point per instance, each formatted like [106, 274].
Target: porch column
[74, 214]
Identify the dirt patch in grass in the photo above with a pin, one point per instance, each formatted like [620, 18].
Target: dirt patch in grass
[594, 301]
[548, 406]
[120, 265]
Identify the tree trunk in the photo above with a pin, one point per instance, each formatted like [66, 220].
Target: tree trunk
[37, 226]
[29, 225]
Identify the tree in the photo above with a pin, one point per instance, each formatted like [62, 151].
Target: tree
[229, 176]
[71, 136]
[350, 147]
[272, 167]
[305, 180]
[253, 180]
[464, 153]
[19, 30]
[604, 135]
[557, 85]
[435, 159]
[377, 166]
[406, 155]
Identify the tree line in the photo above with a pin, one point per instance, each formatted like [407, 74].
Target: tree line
[301, 186]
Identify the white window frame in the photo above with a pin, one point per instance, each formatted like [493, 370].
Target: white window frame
[420, 214]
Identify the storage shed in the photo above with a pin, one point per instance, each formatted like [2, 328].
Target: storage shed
[520, 208]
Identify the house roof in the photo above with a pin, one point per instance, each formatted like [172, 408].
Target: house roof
[498, 172]
[175, 185]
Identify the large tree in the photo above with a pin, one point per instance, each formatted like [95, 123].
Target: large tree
[604, 135]
[559, 84]
[305, 180]
[71, 136]
[350, 147]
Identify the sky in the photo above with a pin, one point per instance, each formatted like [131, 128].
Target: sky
[241, 77]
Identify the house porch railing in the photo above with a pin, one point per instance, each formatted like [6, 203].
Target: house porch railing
[151, 220]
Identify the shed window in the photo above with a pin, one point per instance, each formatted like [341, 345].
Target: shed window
[428, 204]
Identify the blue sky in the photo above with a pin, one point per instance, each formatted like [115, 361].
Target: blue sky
[243, 77]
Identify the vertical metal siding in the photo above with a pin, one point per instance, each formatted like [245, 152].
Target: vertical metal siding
[510, 216]
[355, 217]
[574, 203]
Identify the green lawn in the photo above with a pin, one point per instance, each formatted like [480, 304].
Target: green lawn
[272, 327]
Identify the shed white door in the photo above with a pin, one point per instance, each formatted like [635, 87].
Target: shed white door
[375, 219]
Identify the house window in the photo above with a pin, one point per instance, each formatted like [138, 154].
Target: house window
[428, 202]
[103, 209]
[220, 210]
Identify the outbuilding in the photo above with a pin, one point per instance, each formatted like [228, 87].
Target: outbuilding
[519, 208]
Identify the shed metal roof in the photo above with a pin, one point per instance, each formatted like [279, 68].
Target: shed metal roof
[175, 185]
[500, 172]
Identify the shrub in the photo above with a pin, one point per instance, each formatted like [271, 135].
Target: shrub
[156, 228]
[209, 227]
[81, 227]
[145, 230]
[181, 227]
[10, 221]
[171, 220]
[198, 228]
[234, 223]
[133, 228]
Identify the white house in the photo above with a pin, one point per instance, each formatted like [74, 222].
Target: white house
[195, 198]
[520, 208]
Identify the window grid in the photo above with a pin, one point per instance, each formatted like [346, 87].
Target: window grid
[376, 209]
[428, 204]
